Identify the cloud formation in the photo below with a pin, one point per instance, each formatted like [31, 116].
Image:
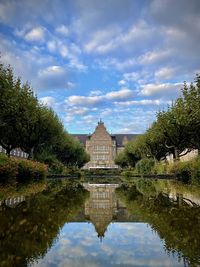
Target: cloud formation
[102, 58]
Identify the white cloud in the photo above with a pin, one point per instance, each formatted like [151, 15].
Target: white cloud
[131, 76]
[52, 70]
[113, 38]
[95, 92]
[143, 102]
[77, 110]
[64, 51]
[75, 63]
[48, 100]
[122, 82]
[90, 100]
[106, 112]
[51, 45]
[100, 41]
[121, 94]
[35, 35]
[62, 29]
[70, 85]
[165, 89]
[83, 100]
[165, 73]
[154, 56]
[114, 63]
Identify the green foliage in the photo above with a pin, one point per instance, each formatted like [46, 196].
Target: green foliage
[145, 166]
[122, 160]
[187, 172]
[26, 123]
[30, 170]
[176, 130]
[8, 169]
[12, 170]
[54, 165]
[160, 168]
[70, 152]
[129, 173]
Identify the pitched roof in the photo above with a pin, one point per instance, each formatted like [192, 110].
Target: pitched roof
[118, 137]
[81, 137]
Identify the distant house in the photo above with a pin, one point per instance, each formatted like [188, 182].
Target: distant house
[103, 146]
[17, 152]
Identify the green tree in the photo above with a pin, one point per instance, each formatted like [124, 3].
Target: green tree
[122, 160]
[9, 106]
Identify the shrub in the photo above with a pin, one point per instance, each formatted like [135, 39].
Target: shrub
[8, 169]
[187, 172]
[160, 168]
[30, 170]
[195, 178]
[145, 166]
[55, 167]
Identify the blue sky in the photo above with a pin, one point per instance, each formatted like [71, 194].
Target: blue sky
[119, 60]
[124, 244]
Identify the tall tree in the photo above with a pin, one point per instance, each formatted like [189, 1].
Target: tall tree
[9, 106]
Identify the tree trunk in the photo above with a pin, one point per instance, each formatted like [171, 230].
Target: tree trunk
[176, 154]
[31, 154]
[8, 150]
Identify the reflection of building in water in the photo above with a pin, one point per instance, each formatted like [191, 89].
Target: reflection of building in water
[102, 206]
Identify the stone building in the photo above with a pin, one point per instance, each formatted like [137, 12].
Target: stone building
[103, 146]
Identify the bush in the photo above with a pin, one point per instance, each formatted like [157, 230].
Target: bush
[195, 178]
[30, 170]
[54, 165]
[8, 169]
[187, 172]
[145, 166]
[160, 168]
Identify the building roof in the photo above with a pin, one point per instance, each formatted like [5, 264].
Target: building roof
[118, 137]
[81, 137]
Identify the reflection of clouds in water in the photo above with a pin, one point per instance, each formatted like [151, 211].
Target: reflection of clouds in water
[125, 244]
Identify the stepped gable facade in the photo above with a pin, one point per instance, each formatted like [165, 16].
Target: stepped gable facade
[103, 146]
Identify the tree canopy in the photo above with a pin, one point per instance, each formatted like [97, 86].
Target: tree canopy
[176, 130]
[35, 128]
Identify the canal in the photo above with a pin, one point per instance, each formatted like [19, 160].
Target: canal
[142, 223]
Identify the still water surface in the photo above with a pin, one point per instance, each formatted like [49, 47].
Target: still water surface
[147, 223]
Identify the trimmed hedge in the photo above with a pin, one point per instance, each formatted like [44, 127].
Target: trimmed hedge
[20, 170]
[8, 169]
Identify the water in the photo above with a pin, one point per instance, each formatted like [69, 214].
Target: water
[146, 223]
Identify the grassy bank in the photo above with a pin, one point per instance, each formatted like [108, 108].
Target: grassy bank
[14, 170]
[186, 172]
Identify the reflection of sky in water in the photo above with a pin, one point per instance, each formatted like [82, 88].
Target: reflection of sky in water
[124, 244]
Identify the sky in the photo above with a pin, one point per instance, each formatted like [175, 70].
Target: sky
[116, 60]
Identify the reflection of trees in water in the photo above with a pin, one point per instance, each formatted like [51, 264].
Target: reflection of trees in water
[29, 230]
[176, 222]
